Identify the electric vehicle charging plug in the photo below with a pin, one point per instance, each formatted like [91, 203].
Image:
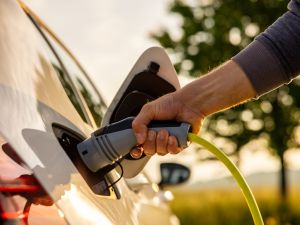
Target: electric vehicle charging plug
[113, 142]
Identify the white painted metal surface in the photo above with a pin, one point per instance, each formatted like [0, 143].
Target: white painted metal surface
[32, 99]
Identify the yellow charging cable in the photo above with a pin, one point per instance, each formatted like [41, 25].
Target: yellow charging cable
[235, 173]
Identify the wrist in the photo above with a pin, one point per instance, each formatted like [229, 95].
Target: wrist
[222, 88]
[187, 111]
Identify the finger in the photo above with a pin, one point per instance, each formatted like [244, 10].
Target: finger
[162, 142]
[173, 145]
[149, 145]
[136, 153]
[140, 123]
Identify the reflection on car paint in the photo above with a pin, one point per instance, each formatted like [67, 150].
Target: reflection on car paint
[32, 100]
[22, 199]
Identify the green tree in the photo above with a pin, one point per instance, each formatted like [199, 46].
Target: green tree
[211, 32]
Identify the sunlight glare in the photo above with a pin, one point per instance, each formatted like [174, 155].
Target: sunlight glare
[84, 208]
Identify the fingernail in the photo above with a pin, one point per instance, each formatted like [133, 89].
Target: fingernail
[162, 135]
[151, 135]
[139, 138]
[170, 141]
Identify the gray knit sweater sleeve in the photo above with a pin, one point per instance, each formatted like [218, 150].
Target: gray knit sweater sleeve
[273, 58]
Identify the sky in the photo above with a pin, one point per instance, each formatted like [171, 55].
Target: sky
[108, 37]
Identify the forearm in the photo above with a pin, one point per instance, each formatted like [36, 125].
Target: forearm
[271, 60]
[222, 88]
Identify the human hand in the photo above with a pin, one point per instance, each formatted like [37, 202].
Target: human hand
[167, 107]
[222, 88]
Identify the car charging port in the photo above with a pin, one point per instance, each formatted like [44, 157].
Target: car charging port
[98, 181]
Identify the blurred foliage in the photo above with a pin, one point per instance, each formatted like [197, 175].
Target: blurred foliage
[211, 32]
[227, 207]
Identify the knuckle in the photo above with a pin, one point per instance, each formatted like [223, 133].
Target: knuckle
[151, 136]
[147, 107]
[135, 125]
[162, 136]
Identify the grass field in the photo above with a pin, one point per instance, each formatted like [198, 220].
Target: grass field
[228, 207]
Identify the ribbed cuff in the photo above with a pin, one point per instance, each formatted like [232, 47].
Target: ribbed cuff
[262, 68]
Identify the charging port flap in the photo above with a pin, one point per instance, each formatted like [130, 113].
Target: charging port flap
[152, 76]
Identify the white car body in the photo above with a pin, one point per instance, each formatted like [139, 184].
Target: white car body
[35, 109]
